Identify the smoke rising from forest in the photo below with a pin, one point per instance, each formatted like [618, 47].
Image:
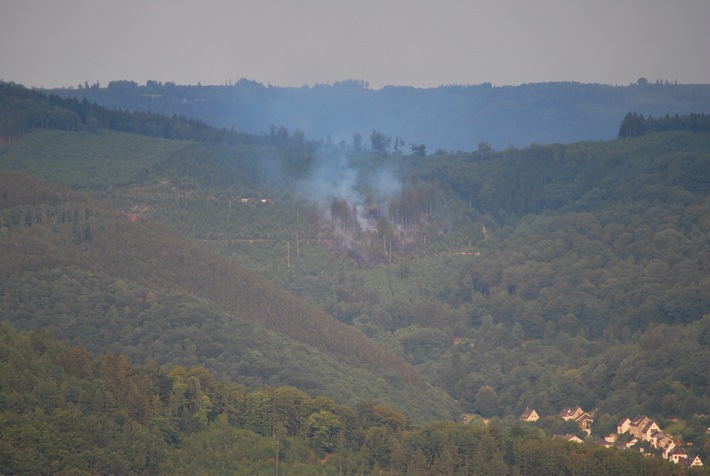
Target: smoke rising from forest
[331, 175]
[334, 174]
[353, 194]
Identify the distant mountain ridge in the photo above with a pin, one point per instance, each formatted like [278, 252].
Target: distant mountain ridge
[448, 117]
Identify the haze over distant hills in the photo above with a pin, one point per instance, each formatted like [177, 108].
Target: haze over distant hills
[467, 284]
[451, 118]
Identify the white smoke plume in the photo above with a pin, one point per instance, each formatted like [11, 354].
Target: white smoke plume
[334, 174]
[352, 193]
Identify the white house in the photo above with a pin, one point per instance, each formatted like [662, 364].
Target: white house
[529, 415]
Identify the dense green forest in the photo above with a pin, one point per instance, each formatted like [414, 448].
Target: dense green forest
[66, 411]
[635, 124]
[481, 282]
[114, 267]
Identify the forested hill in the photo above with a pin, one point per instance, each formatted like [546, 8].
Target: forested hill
[22, 110]
[65, 411]
[449, 117]
[548, 276]
[37, 217]
[53, 238]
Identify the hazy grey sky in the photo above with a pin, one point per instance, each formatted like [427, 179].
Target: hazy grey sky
[420, 43]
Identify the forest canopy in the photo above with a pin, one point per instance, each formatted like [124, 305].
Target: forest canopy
[428, 287]
[66, 411]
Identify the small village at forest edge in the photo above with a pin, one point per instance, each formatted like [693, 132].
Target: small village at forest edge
[641, 432]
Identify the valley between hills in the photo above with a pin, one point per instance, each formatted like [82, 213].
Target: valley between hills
[221, 302]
